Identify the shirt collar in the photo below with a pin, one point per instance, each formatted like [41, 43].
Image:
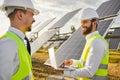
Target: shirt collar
[91, 34]
[19, 33]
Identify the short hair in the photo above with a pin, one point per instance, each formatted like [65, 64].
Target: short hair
[12, 15]
[95, 19]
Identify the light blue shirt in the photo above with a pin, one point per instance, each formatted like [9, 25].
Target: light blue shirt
[9, 61]
[98, 49]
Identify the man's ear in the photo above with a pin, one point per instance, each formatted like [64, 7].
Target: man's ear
[19, 14]
[95, 23]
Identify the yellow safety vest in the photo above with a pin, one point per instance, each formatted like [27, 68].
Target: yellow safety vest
[101, 73]
[25, 66]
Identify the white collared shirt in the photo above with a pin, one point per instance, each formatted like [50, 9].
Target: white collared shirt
[98, 49]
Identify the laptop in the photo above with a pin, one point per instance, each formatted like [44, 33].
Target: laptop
[53, 62]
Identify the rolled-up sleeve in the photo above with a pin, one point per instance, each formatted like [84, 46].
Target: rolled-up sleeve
[98, 49]
[8, 58]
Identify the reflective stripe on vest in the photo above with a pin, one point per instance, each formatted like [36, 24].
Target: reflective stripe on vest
[94, 78]
[102, 66]
[101, 73]
[25, 67]
[99, 77]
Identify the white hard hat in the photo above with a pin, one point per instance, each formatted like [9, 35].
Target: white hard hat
[22, 4]
[88, 13]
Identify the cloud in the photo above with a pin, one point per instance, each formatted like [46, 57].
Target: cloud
[90, 3]
[1, 2]
[103, 0]
[67, 2]
[4, 23]
[65, 5]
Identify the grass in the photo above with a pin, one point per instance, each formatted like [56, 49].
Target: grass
[114, 56]
[114, 65]
[41, 71]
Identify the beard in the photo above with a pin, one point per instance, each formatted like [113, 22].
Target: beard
[88, 30]
[29, 29]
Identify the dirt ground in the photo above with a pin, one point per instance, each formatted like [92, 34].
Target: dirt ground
[41, 71]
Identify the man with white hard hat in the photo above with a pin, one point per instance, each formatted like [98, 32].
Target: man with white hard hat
[93, 63]
[15, 59]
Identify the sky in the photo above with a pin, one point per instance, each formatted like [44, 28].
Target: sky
[54, 8]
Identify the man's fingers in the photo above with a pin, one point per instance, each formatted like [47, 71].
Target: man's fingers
[66, 63]
[63, 64]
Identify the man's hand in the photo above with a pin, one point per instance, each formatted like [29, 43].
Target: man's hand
[60, 71]
[66, 63]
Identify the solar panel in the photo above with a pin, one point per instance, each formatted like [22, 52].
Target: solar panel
[104, 26]
[60, 23]
[39, 28]
[42, 38]
[73, 47]
[108, 8]
[114, 43]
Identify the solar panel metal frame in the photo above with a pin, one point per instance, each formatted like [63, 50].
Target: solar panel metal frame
[115, 27]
